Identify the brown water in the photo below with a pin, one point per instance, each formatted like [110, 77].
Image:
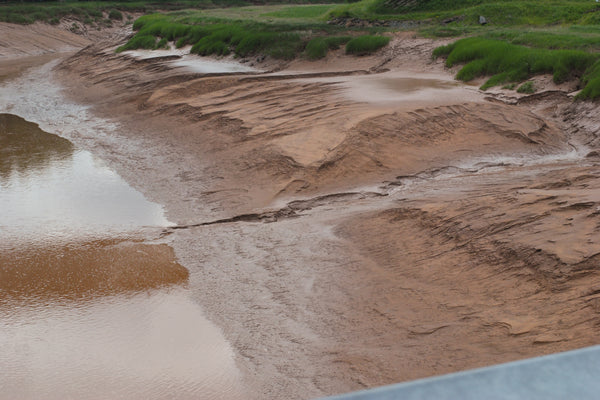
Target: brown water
[49, 190]
[90, 306]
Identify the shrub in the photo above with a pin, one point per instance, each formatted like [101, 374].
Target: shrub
[366, 44]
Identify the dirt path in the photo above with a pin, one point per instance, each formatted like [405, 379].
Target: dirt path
[344, 240]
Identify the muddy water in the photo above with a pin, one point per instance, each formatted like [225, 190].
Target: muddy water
[51, 190]
[91, 305]
[402, 89]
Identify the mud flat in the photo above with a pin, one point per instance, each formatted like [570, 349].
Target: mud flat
[358, 222]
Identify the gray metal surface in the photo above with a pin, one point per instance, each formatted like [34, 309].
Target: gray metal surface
[570, 375]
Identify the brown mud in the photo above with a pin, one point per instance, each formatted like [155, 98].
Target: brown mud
[344, 242]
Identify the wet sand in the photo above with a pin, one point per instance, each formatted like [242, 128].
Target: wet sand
[344, 241]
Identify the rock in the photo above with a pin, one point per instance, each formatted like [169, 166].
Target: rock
[482, 20]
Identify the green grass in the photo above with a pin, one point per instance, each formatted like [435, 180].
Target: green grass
[527, 87]
[467, 12]
[222, 38]
[366, 44]
[51, 12]
[46, 11]
[506, 62]
[301, 12]
[115, 14]
[210, 35]
[318, 47]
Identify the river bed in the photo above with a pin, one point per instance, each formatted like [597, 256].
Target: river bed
[93, 304]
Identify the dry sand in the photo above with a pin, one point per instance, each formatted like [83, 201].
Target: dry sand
[346, 235]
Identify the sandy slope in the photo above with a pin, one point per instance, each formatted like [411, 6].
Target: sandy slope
[37, 39]
[343, 240]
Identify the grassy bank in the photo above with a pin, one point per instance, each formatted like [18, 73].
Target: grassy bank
[518, 40]
[506, 62]
[210, 35]
[464, 13]
[96, 12]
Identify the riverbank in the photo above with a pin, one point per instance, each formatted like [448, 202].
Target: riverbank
[348, 226]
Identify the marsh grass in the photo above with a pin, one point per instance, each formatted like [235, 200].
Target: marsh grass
[115, 14]
[467, 12]
[318, 47]
[302, 12]
[209, 35]
[366, 44]
[527, 87]
[46, 11]
[51, 12]
[506, 62]
[221, 38]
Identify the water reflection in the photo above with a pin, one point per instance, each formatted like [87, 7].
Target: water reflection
[50, 191]
[25, 147]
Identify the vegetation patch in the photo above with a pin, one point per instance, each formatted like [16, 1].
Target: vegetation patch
[506, 62]
[461, 13]
[92, 11]
[302, 12]
[591, 83]
[527, 87]
[213, 36]
[318, 47]
[115, 14]
[366, 44]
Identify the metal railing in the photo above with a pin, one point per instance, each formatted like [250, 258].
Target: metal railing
[569, 375]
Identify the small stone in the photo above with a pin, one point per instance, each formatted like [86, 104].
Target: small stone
[482, 20]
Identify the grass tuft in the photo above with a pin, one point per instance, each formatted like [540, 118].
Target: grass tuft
[506, 62]
[527, 87]
[366, 44]
[115, 15]
[211, 36]
[318, 47]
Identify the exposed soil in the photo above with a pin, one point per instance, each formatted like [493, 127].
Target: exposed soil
[344, 241]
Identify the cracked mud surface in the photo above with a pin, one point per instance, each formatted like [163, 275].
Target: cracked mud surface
[342, 242]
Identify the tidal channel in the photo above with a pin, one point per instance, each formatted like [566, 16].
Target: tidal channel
[92, 304]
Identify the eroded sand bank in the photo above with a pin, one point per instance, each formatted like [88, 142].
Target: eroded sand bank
[344, 241]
